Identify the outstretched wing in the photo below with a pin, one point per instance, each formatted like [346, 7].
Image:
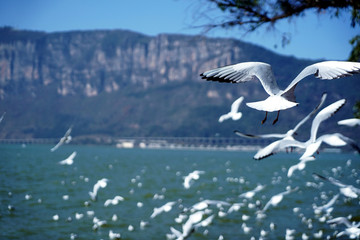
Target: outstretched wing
[243, 72]
[323, 97]
[323, 115]
[271, 135]
[326, 70]
[236, 104]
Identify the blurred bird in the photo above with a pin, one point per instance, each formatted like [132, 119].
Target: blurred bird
[102, 183]
[69, 160]
[113, 201]
[328, 207]
[278, 99]
[165, 208]
[234, 113]
[195, 175]
[347, 190]
[276, 199]
[65, 139]
[251, 194]
[352, 229]
[113, 235]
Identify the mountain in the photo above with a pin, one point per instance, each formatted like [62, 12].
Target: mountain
[124, 84]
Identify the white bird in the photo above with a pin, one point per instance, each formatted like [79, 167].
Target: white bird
[65, 139]
[98, 223]
[205, 204]
[276, 199]
[234, 113]
[102, 183]
[235, 207]
[313, 144]
[69, 160]
[290, 133]
[195, 175]
[189, 226]
[299, 166]
[328, 207]
[351, 122]
[352, 229]
[165, 208]
[251, 194]
[114, 236]
[113, 201]
[206, 222]
[278, 99]
[346, 190]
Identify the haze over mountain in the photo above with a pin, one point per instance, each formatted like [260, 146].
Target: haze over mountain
[125, 84]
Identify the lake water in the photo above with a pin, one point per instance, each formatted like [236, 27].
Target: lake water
[37, 188]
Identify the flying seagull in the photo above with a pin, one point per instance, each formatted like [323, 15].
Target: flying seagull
[234, 113]
[345, 189]
[65, 139]
[352, 229]
[69, 160]
[313, 144]
[102, 183]
[289, 134]
[278, 99]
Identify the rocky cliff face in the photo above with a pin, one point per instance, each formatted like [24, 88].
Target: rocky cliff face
[121, 83]
[92, 62]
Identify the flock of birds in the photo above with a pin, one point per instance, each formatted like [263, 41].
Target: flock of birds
[201, 215]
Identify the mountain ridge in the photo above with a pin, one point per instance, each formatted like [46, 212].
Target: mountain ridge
[123, 83]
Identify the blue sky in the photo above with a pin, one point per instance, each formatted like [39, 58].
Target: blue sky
[312, 37]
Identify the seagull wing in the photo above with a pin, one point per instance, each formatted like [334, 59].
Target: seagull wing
[340, 220]
[323, 97]
[326, 70]
[323, 115]
[243, 72]
[236, 104]
[331, 180]
[351, 122]
[272, 135]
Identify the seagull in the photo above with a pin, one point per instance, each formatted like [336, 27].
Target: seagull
[289, 134]
[276, 199]
[102, 183]
[278, 99]
[328, 207]
[313, 144]
[251, 194]
[165, 208]
[234, 113]
[113, 201]
[195, 175]
[352, 229]
[299, 166]
[189, 226]
[65, 139]
[113, 235]
[205, 204]
[351, 122]
[97, 223]
[69, 160]
[346, 190]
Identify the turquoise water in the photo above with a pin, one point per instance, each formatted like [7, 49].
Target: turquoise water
[34, 185]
